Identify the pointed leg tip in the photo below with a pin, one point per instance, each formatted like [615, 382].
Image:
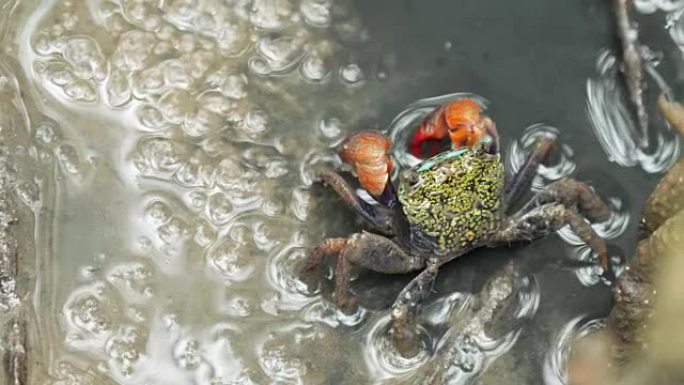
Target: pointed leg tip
[404, 341]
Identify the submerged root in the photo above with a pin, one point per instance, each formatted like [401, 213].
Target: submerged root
[633, 67]
[643, 341]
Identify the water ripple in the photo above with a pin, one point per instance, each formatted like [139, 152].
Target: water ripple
[555, 369]
[384, 359]
[559, 166]
[614, 126]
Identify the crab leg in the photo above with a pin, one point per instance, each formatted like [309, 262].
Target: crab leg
[366, 250]
[522, 180]
[570, 192]
[546, 219]
[407, 307]
[378, 218]
[633, 66]
[330, 246]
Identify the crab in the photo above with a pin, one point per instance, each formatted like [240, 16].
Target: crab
[443, 208]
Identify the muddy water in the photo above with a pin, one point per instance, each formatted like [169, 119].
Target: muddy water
[162, 157]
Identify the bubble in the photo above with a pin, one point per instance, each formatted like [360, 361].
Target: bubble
[182, 9]
[125, 349]
[234, 256]
[277, 364]
[134, 280]
[330, 128]
[197, 199]
[68, 374]
[233, 38]
[118, 89]
[281, 53]
[187, 354]
[151, 118]
[466, 354]
[255, 124]
[219, 208]
[196, 172]
[237, 306]
[301, 203]
[174, 105]
[85, 56]
[149, 82]
[314, 68]
[174, 231]
[283, 275]
[134, 50]
[88, 313]
[158, 212]
[316, 12]
[159, 154]
[42, 44]
[202, 122]
[227, 171]
[177, 74]
[68, 158]
[91, 312]
[273, 207]
[650, 6]
[217, 103]
[61, 75]
[351, 74]
[205, 234]
[234, 86]
[29, 194]
[81, 90]
[270, 14]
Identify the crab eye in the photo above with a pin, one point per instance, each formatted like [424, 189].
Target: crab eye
[410, 177]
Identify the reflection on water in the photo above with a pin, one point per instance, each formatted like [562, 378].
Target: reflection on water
[614, 126]
[164, 154]
[555, 371]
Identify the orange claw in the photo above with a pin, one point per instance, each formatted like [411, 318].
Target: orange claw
[461, 120]
[368, 153]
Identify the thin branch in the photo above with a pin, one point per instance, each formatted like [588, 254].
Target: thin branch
[633, 68]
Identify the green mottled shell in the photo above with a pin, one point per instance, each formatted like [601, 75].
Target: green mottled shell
[456, 199]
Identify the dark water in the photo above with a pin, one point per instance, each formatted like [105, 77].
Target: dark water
[170, 188]
[531, 60]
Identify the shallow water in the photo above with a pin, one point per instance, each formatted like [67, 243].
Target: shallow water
[164, 154]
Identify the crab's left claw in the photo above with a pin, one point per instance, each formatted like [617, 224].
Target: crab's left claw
[368, 153]
[461, 120]
[433, 127]
[467, 125]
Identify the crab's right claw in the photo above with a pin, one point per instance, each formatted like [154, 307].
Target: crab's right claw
[368, 153]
